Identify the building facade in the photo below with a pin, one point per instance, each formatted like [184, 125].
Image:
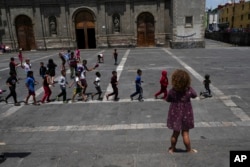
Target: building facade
[237, 15]
[51, 24]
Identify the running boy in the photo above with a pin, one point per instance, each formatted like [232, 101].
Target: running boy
[206, 83]
[97, 86]
[63, 82]
[138, 87]
[30, 84]
[11, 83]
[13, 65]
[78, 88]
[115, 54]
[114, 84]
[42, 70]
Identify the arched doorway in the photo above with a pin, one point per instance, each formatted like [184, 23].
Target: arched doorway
[25, 33]
[145, 30]
[85, 30]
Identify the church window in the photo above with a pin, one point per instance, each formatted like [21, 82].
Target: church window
[189, 21]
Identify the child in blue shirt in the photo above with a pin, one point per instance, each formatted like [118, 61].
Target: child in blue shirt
[30, 84]
[138, 87]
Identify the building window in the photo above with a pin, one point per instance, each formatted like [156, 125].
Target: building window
[248, 16]
[227, 10]
[222, 20]
[189, 21]
[241, 17]
[243, 7]
[226, 19]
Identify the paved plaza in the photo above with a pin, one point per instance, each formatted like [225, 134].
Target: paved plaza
[125, 133]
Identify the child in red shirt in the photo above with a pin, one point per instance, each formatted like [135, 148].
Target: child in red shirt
[164, 85]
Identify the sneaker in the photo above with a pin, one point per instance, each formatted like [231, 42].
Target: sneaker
[17, 104]
[140, 99]
[116, 99]
[85, 98]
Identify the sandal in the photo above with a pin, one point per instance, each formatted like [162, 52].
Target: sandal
[193, 151]
[170, 150]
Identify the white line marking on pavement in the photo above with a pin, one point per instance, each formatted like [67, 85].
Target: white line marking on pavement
[9, 112]
[2, 144]
[74, 128]
[238, 112]
[119, 71]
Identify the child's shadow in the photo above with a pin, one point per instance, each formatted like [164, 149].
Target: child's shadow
[179, 150]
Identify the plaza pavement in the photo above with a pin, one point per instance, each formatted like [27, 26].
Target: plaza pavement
[130, 133]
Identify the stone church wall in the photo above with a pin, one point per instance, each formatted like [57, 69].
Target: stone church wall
[54, 24]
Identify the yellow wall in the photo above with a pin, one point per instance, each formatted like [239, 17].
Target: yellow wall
[241, 15]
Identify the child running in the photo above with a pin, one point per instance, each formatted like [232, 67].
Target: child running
[180, 114]
[52, 69]
[78, 88]
[78, 56]
[47, 91]
[63, 82]
[138, 87]
[30, 84]
[42, 70]
[206, 83]
[82, 68]
[164, 85]
[114, 84]
[13, 65]
[115, 54]
[11, 83]
[97, 86]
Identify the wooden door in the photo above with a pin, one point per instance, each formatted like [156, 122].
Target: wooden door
[83, 22]
[145, 30]
[25, 33]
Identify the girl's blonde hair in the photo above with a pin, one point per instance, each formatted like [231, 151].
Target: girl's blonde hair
[180, 80]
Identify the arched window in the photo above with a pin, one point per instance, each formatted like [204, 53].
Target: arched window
[116, 23]
[52, 25]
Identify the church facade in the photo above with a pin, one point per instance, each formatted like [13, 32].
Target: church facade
[54, 24]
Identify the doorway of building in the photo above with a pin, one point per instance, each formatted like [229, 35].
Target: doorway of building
[85, 30]
[25, 33]
[145, 30]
